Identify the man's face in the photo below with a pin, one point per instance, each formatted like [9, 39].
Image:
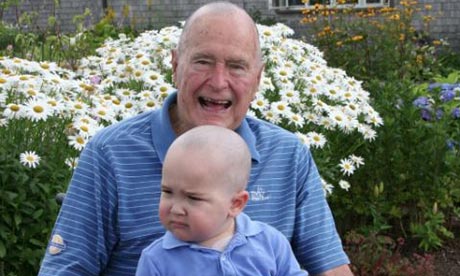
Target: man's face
[217, 72]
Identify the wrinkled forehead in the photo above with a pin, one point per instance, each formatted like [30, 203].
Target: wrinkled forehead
[228, 27]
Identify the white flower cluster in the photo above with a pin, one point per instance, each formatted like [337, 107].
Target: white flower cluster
[127, 77]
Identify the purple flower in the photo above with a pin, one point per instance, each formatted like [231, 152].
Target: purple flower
[447, 86]
[421, 102]
[433, 86]
[456, 113]
[451, 144]
[439, 113]
[447, 95]
[95, 79]
[425, 114]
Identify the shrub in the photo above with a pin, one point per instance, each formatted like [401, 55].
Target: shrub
[381, 255]
[409, 168]
[379, 43]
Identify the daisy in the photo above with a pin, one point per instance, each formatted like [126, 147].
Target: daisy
[344, 185]
[327, 188]
[338, 118]
[326, 122]
[152, 78]
[259, 103]
[367, 132]
[296, 120]
[78, 142]
[29, 159]
[303, 138]
[357, 160]
[347, 167]
[270, 116]
[104, 113]
[290, 95]
[72, 162]
[317, 140]
[37, 109]
[14, 111]
[280, 108]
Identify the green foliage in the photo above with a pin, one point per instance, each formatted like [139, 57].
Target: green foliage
[260, 19]
[414, 163]
[27, 208]
[381, 255]
[7, 35]
[376, 43]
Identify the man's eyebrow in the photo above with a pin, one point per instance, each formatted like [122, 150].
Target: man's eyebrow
[202, 55]
[237, 60]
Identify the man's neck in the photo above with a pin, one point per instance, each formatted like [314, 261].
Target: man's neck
[176, 124]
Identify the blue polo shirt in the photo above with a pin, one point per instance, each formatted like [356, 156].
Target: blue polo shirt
[255, 249]
[110, 212]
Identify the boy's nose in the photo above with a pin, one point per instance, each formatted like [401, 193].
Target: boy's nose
[178, 209]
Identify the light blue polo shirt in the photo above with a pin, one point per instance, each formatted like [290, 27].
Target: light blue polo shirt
[110, 212]
[255, 249]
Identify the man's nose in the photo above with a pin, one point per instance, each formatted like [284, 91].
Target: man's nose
[219, 77]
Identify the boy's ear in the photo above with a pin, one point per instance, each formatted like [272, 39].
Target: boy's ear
[238, 203]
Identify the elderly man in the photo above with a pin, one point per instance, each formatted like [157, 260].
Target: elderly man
[109, 216]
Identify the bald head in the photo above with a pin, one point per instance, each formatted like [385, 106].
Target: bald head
[221, 150]
[225, 10]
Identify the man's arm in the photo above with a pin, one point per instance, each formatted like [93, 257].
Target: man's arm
[343, 270]
[84, 232]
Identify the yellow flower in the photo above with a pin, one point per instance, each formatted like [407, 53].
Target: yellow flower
[437, 42]
[357, 38]
[428, 7]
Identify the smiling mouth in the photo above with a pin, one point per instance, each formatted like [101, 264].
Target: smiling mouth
[211, 103]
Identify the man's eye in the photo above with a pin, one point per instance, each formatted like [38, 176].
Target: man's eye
[203, 62]
[237, 66]
[166, 192]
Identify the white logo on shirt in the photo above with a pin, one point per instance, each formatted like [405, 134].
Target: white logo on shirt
[258, 194]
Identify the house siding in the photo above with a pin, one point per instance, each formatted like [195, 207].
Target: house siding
[148, 14]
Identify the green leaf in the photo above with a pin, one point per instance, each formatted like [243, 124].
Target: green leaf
[2, 250]
[17, 219]
[37, 214]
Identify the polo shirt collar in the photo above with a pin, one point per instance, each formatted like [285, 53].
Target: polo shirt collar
[163, 134]
[244, 228]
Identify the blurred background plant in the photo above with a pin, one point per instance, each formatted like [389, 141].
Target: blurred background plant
[409, 186]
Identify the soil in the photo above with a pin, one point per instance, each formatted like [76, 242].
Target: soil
[447, 259]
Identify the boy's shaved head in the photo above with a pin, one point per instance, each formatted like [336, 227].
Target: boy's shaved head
[221, 149]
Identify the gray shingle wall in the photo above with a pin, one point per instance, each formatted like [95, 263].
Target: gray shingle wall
[147, 14]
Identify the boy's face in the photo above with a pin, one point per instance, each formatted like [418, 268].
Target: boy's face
[195, 204]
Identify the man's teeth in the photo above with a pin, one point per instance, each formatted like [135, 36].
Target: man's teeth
[206, 101]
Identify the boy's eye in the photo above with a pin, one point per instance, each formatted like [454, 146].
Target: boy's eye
[195, 198]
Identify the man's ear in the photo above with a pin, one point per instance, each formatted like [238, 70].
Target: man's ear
[238, 203]
[174, 62]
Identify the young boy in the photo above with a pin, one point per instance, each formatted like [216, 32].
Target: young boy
[205, 173]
